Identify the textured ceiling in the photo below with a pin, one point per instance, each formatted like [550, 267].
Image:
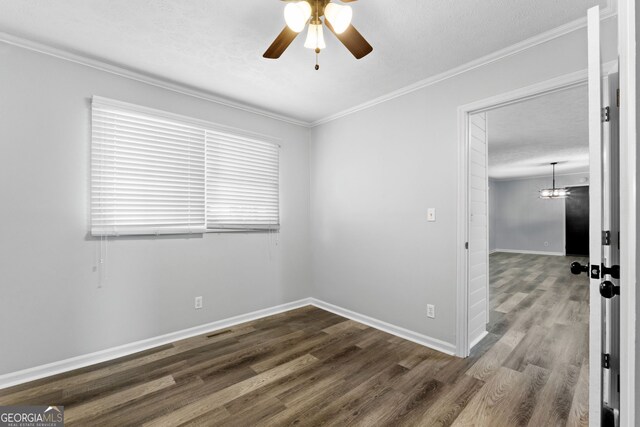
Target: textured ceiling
[217, 45]
[525, 137]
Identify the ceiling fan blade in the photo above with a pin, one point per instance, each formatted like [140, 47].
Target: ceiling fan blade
[280, 44]
[353, 41]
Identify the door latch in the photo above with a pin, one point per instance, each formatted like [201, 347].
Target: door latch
[613, 271]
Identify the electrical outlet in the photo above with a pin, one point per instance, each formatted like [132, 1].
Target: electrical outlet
[431, 311]
[198, 303]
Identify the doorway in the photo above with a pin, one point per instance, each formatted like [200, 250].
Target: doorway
[533, 306]
[510, 217]
[466, 244]
[514, 305]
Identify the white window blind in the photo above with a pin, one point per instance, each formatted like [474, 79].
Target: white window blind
[242, 183]
[147, 174]
[159, 173]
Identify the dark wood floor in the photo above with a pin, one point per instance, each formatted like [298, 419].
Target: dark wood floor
[310, 367]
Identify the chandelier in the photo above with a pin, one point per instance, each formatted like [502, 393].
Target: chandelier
[554, 193]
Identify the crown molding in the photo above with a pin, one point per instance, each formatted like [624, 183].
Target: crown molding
[541, 176]
[608, 12]
[142, 77]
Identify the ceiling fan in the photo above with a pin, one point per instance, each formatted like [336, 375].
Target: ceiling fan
[337, 17]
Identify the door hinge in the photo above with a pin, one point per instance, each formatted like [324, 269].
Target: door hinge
[617, 97]
[606, 116]
[466, 245]
[606, 360]
[606, 238]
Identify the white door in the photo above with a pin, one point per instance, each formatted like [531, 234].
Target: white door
[478, 229]
[610, 283]
[603, 237]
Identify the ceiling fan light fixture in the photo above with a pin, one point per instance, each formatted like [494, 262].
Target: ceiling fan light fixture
[296, 15]
[339, 16]
[315, 37]
[316, 13]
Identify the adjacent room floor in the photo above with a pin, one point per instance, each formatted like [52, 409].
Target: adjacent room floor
[312, 367]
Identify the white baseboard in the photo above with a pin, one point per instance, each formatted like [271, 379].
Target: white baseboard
[519, 251]
[398, 331]
[478, 339]
[493, 251]
[66, 365]
[54, 368]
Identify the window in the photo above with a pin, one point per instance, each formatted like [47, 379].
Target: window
[158, 173]
[242, 182]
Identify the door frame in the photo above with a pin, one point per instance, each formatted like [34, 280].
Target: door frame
[567, 81]
[629, 386]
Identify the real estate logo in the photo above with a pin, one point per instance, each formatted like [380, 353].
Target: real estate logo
[31, 416]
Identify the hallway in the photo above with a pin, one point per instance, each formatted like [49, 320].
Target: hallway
[538, 319]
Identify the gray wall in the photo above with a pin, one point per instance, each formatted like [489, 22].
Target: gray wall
[524, 222]
[375, 173]
[51, 307]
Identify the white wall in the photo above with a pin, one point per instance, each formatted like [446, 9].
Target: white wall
[51, 307]
[375, 173]
[523, 221]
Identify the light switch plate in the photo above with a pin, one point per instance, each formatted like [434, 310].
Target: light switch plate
[431, 214]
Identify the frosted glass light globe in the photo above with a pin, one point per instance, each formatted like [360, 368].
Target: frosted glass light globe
[339, 16]
[296, 15]
[315, 38]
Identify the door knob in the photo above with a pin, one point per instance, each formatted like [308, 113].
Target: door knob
[577, 268]
[609, 290]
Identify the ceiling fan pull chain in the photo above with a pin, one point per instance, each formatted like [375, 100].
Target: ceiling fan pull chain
[317, 54]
